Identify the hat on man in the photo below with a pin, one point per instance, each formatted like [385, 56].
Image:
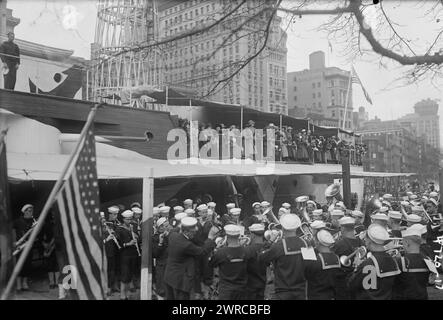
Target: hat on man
[136, 210]
[311, 202]
[317, 224]
[232, 230]
[417, 209]
[178, 209]
[230, 205]
[286, 205]
[413, 197]
[422, 229]
[346, 221]
[211, 204]
[411, 232]
[127, 214]
[325, 238]
[135, 204]
[161, 221]
[413, 218]
[290, 221]
[378, 234]
[202, 207]
[255, 204]
[395, 215]
[387, 196]
[433, 194]
[424, 198]
[340, 204]
[332, 190]
[337, 213]
[188, 222]
[180, 216]
[165, 209]
[409, 193]
[357, 214]
[383, 209]
[188, 202]
[112, 209]
[317, 212]
[380, 216]
[155, 210]
[235, 211]
[265, 204]
[189, 212]
[405, 203]
[257, 228]
[283, 210]
[433, 201]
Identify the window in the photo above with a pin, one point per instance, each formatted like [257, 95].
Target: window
[295, 89]
[313, 95]
[318, 94]
[313, 85]
[319, 104]
[318, 84]
[332, 93]
[295, 78]
[295, 98]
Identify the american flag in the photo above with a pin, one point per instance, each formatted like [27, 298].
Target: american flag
[79, 216]
[356, 79]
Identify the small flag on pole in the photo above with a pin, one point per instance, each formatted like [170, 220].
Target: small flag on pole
[356, 79]
[79, 216]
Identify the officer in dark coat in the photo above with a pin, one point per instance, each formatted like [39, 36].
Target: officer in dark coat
[321, 274]
[412, 283]
[374, 277]
[10, 56]
[180, 270]
[347, 244]
[232, 262]
[285, 254]
[256, 285]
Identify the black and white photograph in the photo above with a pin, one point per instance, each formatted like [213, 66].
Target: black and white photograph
[241, 151]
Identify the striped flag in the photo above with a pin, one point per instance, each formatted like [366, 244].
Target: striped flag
[79, 217]
[356, 79]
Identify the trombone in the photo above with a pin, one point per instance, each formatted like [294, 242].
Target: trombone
[360, 252]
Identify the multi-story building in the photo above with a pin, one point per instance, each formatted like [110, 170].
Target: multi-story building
[7, 21]
[425, 121]
[320, 93]
[205, 59]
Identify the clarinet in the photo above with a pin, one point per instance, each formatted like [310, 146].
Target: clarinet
[136, 243]
[111, 233]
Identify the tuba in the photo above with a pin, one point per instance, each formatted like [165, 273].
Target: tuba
[301, 207]
[270, 216]
[308, 234]
[360, 252]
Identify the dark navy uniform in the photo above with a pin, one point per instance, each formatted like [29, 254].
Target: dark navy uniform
[344, 247]
[233, 275]
[112, 254]
[359, 228]
[160, 254]
[128, 254]
[321, 276]
[395, 233]
[12, 58]
[386, 269]
[412, 283]
[289, 278]
[21, 226]
[256, 285]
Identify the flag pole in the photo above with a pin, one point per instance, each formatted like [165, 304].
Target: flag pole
[347, 96]
[48, 206]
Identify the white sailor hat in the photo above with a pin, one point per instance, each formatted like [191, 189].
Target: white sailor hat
[433, 194]
[416, 203]
[340, 204]
[386, 203]
[102, 214]
[417, 209]
[409, 193]
[433, 201]
[286, 205]
[257, 227]
[387, 196]
[155, 210]
[413, 218]
[357, 213]
[136, 210]
[383, 209]
[311, 202]
[188, 201]
[202, 207]
[211, 204]
[378, 234]
[405, 203]
[422, 229]
[317, 224]
[395, 215]
[290, 221]
[112, 209]
[188, 222]
[135, 204]
[424, 198]
[230, 205]
[337, 213]
[161, 221]
[317, 212]
[380, 216]
[325, 238]
[180, 216]
[346, 221]
[127, 214]
[189, 211]
[179, 209]
[256, 204]
[26, 207]
[265, 204]
[283, 210]
[413, 197]
[232, 230]
[165, 209]
[412, 232]
[235, 211]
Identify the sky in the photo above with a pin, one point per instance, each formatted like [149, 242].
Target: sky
[70, 24]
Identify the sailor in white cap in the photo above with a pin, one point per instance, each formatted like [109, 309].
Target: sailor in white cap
[383, 267]
[231, 261]
[317, 225]
[359, 219]
[286, 205]
[321, 273]
[129, 253]
[187, 204]
[136, 204]
[310, 206]
[164, 211]
[317, 214]
[178, 209]
[177, 220]
[137, 219]
[264, 205]
[413, 218]
[182, 254]
[282, 211]
[433, 195]
[345, 246]
[235, 215]
[335, 215]
[190, 212]
[394, 224]
[413, 281]
[255, 288]
[285, 254]
[380, 219]
[256, 217]
[160, 254]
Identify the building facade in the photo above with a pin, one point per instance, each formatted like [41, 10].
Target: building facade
[212, 56]
[320, 93]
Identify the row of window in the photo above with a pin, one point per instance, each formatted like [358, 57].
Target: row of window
[184, 5]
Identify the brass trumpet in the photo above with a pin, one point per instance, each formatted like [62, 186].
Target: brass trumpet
[360, 252]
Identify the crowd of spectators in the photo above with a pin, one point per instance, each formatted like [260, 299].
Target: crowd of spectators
[291, 145]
